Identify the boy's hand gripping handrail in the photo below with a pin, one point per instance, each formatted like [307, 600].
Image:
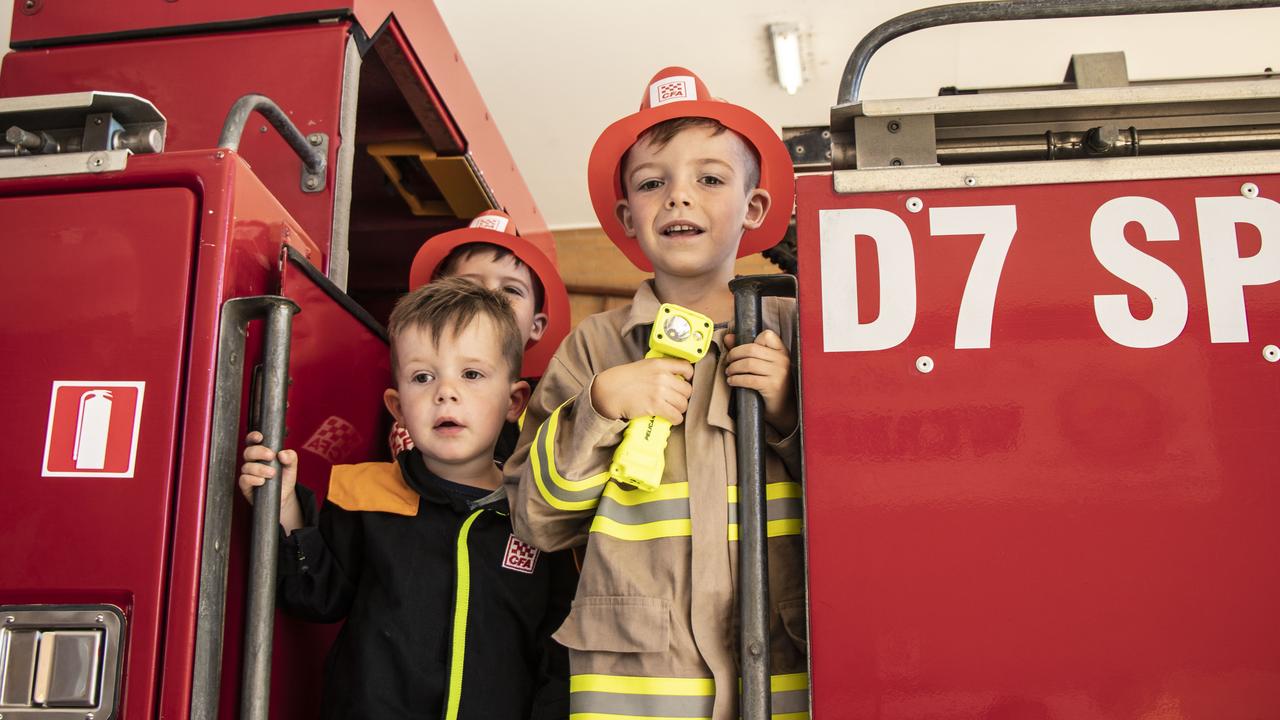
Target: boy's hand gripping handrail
[224, 456]
[988, 11]
[753, 558]
[640, 458]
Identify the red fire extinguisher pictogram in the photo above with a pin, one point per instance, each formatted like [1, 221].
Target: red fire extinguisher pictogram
[93, 428]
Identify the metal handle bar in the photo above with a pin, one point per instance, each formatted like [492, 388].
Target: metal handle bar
[224, 456]
[753, 558]
[313, 149]
[851, 82]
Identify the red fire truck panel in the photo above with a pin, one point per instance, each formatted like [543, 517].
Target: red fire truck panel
[1038, 472]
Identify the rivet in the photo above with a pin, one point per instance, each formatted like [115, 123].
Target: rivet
[311, 182]
[894, 126]
[896, 162]
[314, 138]
[262, 129]
[10, 620]
[970, 180]
[1249, 190]
[100, 618]
[799, 149]
[826, 134]
[915, 204]
[924, 364]
[219, 155]
[97, 121]
[1271, 353]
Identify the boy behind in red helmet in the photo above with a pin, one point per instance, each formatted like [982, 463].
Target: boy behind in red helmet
[488, 252]
[683, 187]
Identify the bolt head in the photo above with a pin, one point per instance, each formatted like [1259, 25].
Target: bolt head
[311, 182]
[219, 155]
[314, 138]
[100, 618]
[10, 620]
[894, 126]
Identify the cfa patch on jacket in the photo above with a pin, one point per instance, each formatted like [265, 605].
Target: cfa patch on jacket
[520, 556]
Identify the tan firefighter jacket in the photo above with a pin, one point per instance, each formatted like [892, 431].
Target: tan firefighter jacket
[653, 629]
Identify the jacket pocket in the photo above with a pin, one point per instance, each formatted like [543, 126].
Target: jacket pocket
[625, 624]
[795, 623]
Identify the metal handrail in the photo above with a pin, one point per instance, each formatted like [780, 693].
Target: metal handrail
[224, 456]
[969, 12]
[753, 557]
[312, 149]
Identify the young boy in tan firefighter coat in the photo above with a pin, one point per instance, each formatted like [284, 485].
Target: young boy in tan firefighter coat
[683, 187]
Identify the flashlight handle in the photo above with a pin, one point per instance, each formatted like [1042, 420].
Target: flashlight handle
[640, 458]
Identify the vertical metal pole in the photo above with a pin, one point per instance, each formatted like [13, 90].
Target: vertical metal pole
[260, 613]
[224, 458]
[753, 558]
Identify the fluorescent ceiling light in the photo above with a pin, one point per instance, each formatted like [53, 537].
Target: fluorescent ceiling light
[786, 55]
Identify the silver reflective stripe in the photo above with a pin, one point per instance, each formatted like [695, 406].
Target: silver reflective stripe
[676, 509]
[780, 509]
[791, 701]
[646, 706]
[549, 479]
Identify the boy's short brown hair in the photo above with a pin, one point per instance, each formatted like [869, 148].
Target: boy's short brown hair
[449, 265]
[662, 133]
[450, 305]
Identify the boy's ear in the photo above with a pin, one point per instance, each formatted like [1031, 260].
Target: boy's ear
[623, 211]
[520, 392]
[539, 327]
[758, 204]
[391, 398]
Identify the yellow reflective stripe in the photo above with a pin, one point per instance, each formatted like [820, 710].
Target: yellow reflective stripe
[542, 455]
[787, 683]
[622, 496]
[612, 716]
[646, 531]
[462, 600]
[636, 685]
[520, 420]
[776, 528]
[773, 491]
[594, 481]
[790, 716]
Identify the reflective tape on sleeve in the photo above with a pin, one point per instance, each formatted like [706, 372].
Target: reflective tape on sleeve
[560, 492]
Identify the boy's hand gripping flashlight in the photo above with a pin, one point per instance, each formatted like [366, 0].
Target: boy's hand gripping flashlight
[640, 457]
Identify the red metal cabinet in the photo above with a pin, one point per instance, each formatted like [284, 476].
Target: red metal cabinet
[1040, 437]
[96, 290]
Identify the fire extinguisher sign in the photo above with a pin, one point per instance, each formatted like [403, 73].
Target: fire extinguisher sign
[93, 428]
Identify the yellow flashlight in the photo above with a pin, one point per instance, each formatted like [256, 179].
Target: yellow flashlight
[641, 456]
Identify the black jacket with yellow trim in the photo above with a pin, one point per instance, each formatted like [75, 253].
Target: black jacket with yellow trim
[382, 554]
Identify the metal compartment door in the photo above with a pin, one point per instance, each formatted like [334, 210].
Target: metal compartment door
[94, 288]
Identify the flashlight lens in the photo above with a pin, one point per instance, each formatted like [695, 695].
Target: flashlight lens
[677, 328]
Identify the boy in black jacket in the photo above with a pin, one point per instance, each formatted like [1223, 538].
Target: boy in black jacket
[447, 613]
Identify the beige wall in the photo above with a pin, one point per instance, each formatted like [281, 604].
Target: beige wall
[599, 277]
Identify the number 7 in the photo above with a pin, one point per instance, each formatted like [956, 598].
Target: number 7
[997, 225]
